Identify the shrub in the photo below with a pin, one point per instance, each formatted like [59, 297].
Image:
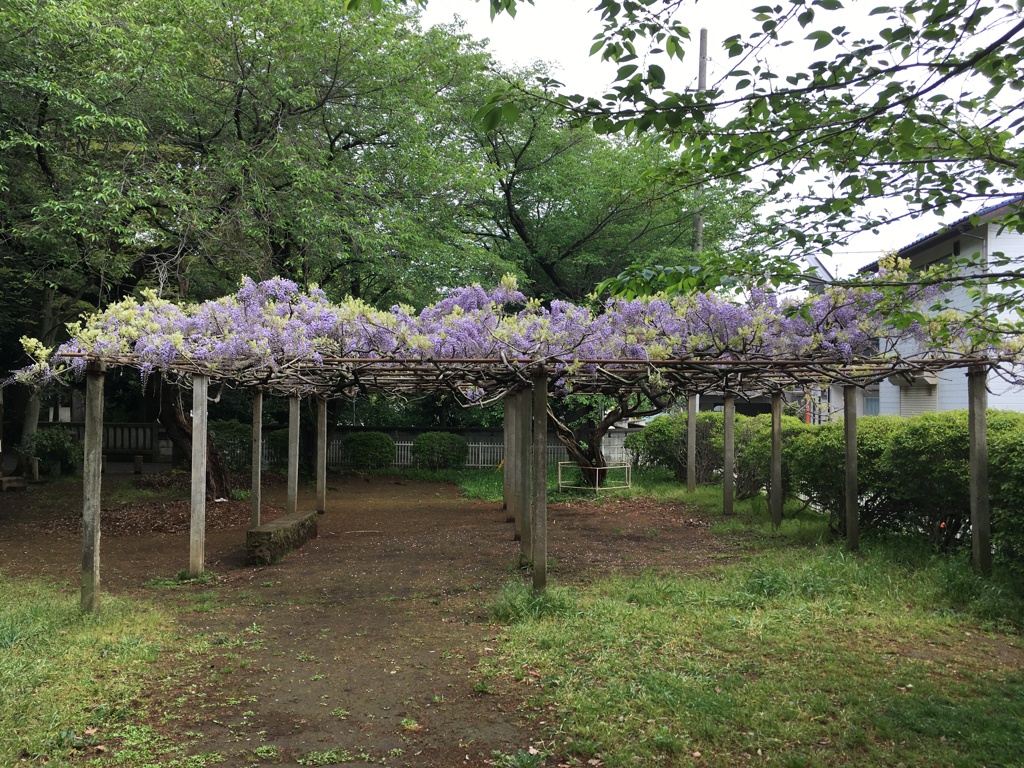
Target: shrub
[277, 445]
[55, 447]
[1006, 483]
[234, 441]
[815, 460]
[370, 450]
[753, 437]
[913, 476]
[927, 462]
[440, 450]
[927, 465]
[662, 443]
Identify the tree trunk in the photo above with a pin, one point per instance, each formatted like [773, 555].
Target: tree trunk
[179, 431]
[48, 336]
[590, 455]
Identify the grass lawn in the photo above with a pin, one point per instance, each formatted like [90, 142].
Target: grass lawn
[801, 653]
[68, 678]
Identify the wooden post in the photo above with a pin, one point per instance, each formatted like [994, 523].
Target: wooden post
[321, 455]
[137, 464]
[728, 469]
[524, 465]
[981, 530]
[292, 503]
[852, 496]
[91, 475]
[257, 457]
[539, 517]
[775, 491]
[691, 443]
[507, 435]
[197, 536]
[511, 475]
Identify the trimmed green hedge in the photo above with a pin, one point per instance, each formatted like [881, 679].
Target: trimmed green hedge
[662, 443]
[440, 450]
[912, 472]
[370, 450]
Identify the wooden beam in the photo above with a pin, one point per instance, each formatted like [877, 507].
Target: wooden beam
[197, 533]
[539, 521]
[728, 459]
[321, 455]
[257, 457]
[524, 465]
[977, 422]
[852, 494]
[691, 442]
[775, 499]
[292, 501]
[91, 481]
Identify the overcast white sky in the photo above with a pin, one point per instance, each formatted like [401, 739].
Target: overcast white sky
[561, 33]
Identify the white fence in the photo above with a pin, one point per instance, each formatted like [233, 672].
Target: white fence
[481, 455]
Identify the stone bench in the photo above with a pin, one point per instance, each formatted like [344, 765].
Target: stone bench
[272, 541]
[10, 483]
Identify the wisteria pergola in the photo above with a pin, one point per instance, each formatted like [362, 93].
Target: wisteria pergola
[483, 347]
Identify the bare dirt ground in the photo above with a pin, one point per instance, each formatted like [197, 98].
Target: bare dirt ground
[362, 645]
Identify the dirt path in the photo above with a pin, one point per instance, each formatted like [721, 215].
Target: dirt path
[361, 646]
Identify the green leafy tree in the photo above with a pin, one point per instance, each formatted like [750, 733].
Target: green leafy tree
[570, 208]
[574, 209]
[182, 145]
[918, 109]
[909, 108]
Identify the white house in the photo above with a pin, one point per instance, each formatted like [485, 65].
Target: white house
[978, 236]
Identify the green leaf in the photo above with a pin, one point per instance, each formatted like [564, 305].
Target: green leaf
[491, 119]
[821, 38]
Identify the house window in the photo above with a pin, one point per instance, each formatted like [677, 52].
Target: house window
[871, 404]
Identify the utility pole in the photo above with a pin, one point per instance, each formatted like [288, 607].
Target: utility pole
[693, 400]
[702, 85]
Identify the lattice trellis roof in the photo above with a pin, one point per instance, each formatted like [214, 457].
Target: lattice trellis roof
[480, 345]
[486, 380]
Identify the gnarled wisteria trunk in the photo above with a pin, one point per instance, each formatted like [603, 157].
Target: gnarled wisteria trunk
[587, 450]
[179, 431]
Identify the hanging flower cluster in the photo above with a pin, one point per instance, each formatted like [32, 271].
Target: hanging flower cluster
[270, 325]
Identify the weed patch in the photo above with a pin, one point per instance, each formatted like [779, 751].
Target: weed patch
[517, 602]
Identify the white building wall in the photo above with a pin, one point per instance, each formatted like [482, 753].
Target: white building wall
[951, 391]
[1003, 395]
[888, 399]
